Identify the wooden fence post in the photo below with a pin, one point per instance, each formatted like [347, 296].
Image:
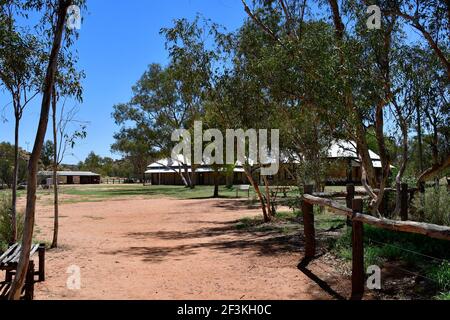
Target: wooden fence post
[308, 225]
[404, 202]
[349, 199]
[41, 251]
[358, 274]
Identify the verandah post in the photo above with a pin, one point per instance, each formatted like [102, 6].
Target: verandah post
[308, 225]
[358, 274]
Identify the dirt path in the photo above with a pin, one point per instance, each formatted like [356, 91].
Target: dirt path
[175, 249]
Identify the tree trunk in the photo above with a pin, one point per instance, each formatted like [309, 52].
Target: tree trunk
[216, 183]
[363, 151]
[419, 137]
[55, 174]
[432, 171]
[258, 192]
[385, 164]
[360, 137]
[15, 182]
[268, 198]
[192, 177]
[27, 237]
[187, 176]
[401, 171]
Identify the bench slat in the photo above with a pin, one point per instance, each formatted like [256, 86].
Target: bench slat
[34, 248]
[12, 255]
[7, 252]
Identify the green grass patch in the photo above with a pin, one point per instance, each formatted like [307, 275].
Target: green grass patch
[95, 193]
[443, 296]
[428, 257]
[179, 192]
[283, 222]
[441, 275]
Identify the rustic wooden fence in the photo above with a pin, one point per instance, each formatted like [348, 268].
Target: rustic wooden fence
[353, 211]
[114, 181]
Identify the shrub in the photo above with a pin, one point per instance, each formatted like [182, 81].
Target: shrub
[433, 206]
[440, 274]
[5, 221]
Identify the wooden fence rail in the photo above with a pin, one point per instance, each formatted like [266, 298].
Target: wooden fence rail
[352, 211]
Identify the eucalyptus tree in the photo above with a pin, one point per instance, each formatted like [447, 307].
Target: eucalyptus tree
[435, 114]
[380, 50]
[291, 17]
[282, 76]
[239, 101]
[7, 152]
[21, 68]
[54, 16]
[67, 86]
[405, 84]
[155, 111]
[137, 147]
[299, 79]
[64, 139]
[358, 70]
[238, 104]
[171, 97]
[431, 19]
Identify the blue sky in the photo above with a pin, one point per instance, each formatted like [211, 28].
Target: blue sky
[118, 40]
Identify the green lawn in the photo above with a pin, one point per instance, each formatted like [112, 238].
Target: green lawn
[112, 191]
[93, 193]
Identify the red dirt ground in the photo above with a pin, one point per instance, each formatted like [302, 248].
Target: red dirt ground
[176, 249]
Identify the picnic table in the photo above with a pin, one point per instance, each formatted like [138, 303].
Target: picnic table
[8, 263]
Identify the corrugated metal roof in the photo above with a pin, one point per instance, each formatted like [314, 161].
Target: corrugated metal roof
[347, 149]
[339, 149]
[69, 173]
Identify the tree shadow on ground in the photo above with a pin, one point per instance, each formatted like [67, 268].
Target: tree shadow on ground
[225, 238]
[235, 204]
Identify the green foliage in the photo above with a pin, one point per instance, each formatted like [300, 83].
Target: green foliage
[47, 154]
[107, 167]
[433, 206]
[382, 245]
[443, 296]
[134, 145]
[7, 164]
[441, 275]
[5, 220]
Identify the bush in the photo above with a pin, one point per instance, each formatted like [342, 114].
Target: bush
[440, 274]
[5, 221]
[433, 206]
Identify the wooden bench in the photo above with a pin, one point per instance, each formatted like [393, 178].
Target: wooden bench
[243, 187]
[8, 263]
